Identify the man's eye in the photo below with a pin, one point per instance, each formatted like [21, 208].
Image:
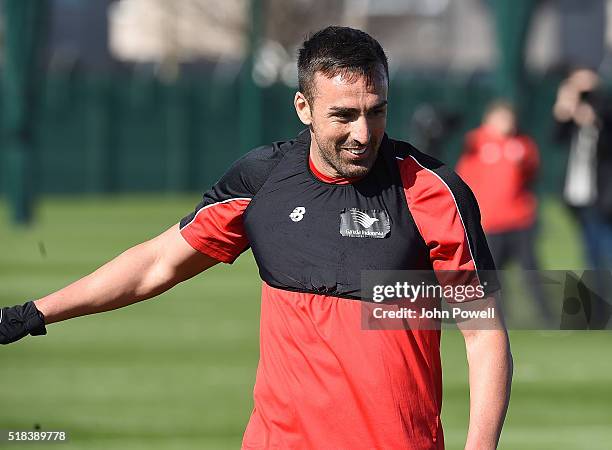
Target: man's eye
[343, 116]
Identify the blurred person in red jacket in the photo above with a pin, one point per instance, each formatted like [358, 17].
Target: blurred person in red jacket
[499, 164]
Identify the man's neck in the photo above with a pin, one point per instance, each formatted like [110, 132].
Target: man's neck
[320, 169]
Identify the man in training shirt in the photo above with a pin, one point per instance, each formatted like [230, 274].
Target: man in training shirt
[340, 198]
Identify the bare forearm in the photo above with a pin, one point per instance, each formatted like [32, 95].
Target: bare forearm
[141, 272]
[490, 373]
[129, 278]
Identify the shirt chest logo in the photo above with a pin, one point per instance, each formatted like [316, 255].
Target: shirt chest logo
[359, 223]
[297, 214]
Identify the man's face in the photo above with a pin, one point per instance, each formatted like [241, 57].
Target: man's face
[502, 120]
[347, 119]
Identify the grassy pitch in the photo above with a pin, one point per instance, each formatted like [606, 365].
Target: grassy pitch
[177, 372]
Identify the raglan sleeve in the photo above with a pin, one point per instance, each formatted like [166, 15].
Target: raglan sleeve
[215, 227]
[447, 216]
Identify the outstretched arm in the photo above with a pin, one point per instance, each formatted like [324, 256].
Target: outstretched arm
[139, 273]
[215, 228]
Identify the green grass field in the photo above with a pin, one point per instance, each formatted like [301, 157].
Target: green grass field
[177, 372]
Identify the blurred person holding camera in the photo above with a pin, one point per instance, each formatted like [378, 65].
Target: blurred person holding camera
[500, 164]
[584, 121]
[583, 114]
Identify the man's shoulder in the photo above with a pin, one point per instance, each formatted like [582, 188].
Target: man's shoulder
[403, 150]
[270, 154]
[475, 135]
[263, 156]
[423, 171]
[254, 167]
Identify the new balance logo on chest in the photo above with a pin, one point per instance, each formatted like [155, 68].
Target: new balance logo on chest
[297, 214]
[360, 223]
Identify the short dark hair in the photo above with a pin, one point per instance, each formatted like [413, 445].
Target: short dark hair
[339, 50]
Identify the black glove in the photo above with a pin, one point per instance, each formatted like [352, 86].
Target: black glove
[19, 321]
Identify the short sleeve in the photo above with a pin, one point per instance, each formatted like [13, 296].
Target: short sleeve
[447, 217]
[216, 226]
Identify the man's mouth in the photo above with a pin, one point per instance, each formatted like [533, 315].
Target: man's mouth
[356, 151]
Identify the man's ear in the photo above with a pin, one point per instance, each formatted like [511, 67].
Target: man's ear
[302, 107]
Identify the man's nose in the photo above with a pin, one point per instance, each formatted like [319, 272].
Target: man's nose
[361, 131]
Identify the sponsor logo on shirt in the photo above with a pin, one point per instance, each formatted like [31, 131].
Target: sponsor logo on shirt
[360, 223]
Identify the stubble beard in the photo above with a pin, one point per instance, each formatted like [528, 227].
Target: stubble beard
[346, 169]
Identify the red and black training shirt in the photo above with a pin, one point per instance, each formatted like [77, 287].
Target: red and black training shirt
[322, 381]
